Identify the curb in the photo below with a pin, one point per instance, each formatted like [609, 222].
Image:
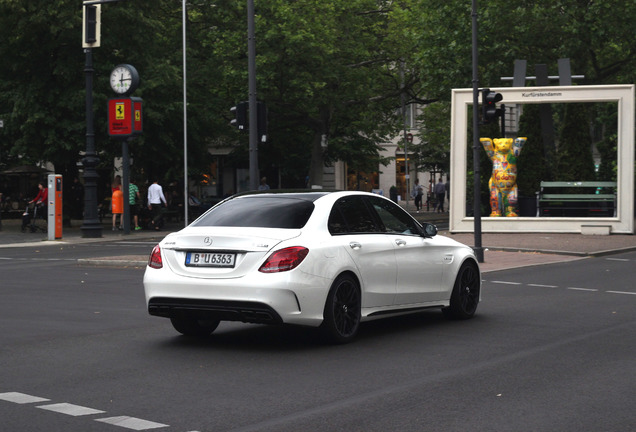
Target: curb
[131, 261]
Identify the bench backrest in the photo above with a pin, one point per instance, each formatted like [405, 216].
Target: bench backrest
[586, 184]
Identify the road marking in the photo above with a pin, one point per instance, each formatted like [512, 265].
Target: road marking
[39, 259]
[70, 409]
[557, 286]
[618, 259]
[77, 410]
[131, 423]
[21, 398]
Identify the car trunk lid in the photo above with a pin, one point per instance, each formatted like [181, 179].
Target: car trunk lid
[218, 252]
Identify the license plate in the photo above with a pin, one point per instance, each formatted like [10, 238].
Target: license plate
[210, 259]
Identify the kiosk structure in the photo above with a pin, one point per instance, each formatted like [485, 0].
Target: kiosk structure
[623, 220]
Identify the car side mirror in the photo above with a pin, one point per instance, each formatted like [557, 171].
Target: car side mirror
[429, 230]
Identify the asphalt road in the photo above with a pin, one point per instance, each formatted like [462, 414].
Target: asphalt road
[551, 349]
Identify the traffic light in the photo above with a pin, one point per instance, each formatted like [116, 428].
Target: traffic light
[240, 115]
[241, 120]
[91, 30]
[489, 108]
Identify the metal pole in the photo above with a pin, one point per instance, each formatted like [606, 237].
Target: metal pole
[406, 152]
[91, 227]
[253, 117]
[185, 123]
[479, 251]
[125, 160]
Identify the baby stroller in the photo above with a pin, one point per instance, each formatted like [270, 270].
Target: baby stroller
[29, 220]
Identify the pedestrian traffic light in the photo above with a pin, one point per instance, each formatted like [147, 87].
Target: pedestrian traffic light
[489, 108]
[240, 115]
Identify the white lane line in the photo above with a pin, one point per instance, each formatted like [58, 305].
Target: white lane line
[618, 259]
[39, 259]
[131, 423]
[582, 289]
[70, 409]
[21, 398]
[506, 282]
[543, 286]
[621, 292]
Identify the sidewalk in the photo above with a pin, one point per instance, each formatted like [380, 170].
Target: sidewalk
[12, 236]
[501, 251]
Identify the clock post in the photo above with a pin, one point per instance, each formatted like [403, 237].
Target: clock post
[124, 122]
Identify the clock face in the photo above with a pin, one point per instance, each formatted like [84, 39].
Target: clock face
[124, 79]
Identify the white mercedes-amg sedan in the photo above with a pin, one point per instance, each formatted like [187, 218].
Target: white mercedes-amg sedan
[323, 259]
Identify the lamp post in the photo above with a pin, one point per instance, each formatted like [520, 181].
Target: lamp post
[91, 226]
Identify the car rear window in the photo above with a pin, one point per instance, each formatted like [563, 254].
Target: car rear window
[259, 211]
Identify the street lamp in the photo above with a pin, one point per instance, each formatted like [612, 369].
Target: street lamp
[91, 226]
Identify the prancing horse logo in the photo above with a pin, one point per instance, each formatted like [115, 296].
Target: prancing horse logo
[207, 241]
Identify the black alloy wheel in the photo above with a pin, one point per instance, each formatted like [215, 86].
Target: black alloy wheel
[465, 296]
[342, 310]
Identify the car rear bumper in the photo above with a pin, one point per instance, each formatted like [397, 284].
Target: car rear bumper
[250, 312]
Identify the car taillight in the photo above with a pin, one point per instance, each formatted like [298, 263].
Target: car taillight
[284, 260]
[155, 260]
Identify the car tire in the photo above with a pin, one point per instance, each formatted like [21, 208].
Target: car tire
[341, 318]
[194, 327]
[465, 296]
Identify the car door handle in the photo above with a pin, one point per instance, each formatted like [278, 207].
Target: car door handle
[400, 242]
[355, 245]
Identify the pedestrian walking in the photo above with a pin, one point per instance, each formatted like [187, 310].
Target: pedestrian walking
[417, 194]
[440, 193]
[117, 203]
[156, 202]
[133, 202]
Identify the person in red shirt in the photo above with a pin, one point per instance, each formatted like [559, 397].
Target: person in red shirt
[40, 199]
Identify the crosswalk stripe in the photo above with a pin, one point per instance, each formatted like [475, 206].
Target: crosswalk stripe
[131, 423]
[70, 409]
[21, 398]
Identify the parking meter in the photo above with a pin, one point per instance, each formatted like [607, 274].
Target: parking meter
[54, 207]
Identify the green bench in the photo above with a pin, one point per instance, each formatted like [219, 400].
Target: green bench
[577, 199]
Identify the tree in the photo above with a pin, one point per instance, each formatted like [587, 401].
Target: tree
[433, 152]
